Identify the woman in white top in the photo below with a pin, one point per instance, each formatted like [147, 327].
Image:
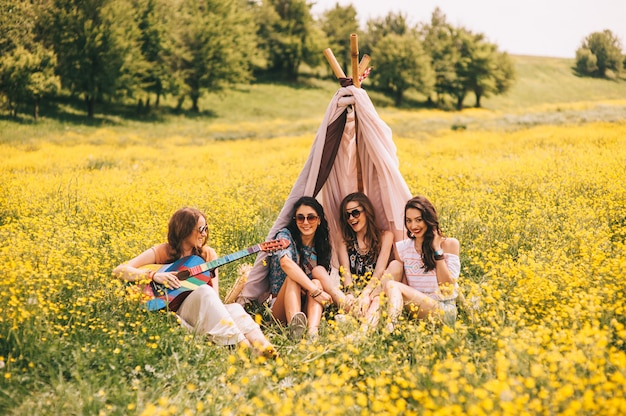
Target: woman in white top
[424, 279]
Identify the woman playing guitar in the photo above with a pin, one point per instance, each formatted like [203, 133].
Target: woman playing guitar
[200, 309]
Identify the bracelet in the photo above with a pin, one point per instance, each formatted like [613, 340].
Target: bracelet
[316, 293]
[151, 274]
[439, 255]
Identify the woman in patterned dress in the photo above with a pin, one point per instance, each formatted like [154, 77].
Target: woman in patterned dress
[364, 255]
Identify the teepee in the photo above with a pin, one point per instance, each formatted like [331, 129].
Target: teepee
[352, 151]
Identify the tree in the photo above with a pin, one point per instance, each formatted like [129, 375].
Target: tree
[287, 36]
[156, 24]
[480, 68]
[504, 74]
[392, 23]
[600, 55]
[490, 72]
[440, 45]
[215, 47]
[402, 64]
[16, 24]
[97, 45]
[338, 24]
[26, 77]
[26, 65]
[586, 61]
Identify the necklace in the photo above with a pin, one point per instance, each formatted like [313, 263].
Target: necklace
[361, 251]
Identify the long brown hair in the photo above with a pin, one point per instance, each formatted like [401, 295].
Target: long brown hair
[321, 239]
[372, 232]
[429, 215]
[182, 223]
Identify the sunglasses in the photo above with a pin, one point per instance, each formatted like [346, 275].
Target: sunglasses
[204, 228]
[301, 218]
[356, 213]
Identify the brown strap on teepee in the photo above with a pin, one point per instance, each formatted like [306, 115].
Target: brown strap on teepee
[331, 147]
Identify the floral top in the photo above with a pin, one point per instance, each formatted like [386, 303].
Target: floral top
[360, 264]
[308, 261]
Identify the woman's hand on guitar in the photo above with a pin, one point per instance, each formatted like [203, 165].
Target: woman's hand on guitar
[168, 279]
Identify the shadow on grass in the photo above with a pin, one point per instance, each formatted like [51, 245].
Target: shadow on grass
[615, 78]
[71, 110]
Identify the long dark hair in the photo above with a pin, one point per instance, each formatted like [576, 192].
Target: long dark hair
[321, 241]
[182, 223]
[372, 232]
[429, 215]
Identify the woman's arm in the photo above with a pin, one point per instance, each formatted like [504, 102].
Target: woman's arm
[450, 246]
[131, 270]
[295, 273]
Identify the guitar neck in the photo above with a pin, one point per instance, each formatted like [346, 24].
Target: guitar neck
[229, 258]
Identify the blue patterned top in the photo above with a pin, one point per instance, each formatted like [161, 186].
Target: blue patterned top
[276, 274]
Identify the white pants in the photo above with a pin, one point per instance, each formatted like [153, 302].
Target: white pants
[204, 312]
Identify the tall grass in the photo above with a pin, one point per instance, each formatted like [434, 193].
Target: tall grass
[540, 213]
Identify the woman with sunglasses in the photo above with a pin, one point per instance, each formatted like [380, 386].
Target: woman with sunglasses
[424, 278]
[202, 308]
[295, 272]
[364, 254]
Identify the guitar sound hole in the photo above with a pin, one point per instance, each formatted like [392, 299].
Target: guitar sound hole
[183, 274]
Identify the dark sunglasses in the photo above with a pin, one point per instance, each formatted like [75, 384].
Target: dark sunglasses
[310, 218]
[356, 213]
[204, 228]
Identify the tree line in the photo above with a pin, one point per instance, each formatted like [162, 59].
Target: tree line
[143, 50]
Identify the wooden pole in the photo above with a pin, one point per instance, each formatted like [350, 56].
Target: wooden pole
[365, 61]
[354, 55]
[334, 65]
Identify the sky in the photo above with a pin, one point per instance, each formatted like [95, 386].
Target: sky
[531, 27]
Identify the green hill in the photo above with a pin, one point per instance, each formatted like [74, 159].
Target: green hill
[546, 91]
[543, 80]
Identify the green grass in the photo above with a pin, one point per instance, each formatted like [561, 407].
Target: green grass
[544, 80]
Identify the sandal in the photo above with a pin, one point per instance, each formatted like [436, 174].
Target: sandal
[297, 326]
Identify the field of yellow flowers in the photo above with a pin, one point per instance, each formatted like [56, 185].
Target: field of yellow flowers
[540, 213]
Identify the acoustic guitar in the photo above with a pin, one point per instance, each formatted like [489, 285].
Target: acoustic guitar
[193, 272]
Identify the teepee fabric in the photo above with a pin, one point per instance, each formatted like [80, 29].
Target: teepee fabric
[350, 135]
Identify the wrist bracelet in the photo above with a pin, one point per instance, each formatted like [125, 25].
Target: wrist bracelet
[316, 293]
[439, 255]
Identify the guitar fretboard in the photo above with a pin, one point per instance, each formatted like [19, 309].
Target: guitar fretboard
[214, 264]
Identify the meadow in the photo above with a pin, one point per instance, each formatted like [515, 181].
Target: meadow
[538, 205]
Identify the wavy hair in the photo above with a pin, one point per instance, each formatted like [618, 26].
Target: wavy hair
[372, 232]
[321, 240]
[182, 223]
[429, 215]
